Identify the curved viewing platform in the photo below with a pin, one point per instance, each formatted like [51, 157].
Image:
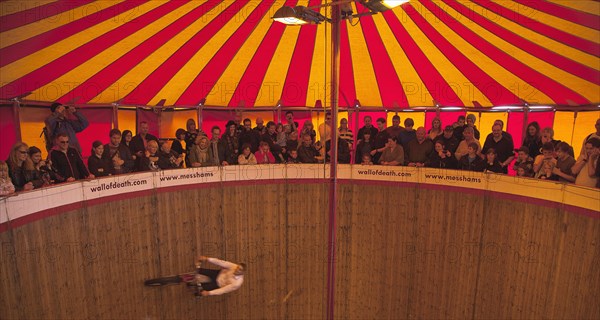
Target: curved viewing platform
[410, 243]
[573, 198]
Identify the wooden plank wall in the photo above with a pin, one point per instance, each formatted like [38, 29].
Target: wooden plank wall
[410, 253]
[91, 263]
[402, 253]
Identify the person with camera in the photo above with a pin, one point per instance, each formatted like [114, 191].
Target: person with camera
[67, 120]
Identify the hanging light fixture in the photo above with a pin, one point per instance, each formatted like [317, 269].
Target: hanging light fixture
[382, 5]
[298, 16]
[301, 15]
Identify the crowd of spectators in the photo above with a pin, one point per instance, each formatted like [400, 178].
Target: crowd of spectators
[454, 146]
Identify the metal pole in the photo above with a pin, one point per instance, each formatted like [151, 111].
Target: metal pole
[525, 122]
[335, 74]
[115, 116]
[17, 118]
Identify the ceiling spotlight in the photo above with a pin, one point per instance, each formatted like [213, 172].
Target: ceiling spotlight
[382, 5]
[298, 16]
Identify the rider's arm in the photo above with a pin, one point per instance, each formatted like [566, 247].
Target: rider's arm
[228, 288]
[221, 263]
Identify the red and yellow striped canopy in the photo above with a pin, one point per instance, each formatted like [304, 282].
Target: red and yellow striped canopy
[457, 53]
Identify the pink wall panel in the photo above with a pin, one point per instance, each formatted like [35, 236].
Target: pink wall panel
[7, 130]
[448, 117]
[149, 116]
[514, 126]
[100, 125]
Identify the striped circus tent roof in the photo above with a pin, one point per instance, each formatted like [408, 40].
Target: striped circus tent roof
[456, 53]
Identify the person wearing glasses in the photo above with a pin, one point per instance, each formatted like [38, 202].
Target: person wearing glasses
[21, 169]
[67, 161]
[67, 120]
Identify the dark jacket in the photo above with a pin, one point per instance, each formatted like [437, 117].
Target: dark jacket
[137, 143]
[476, 165]
[435, 161]
[69, 164]
[20, 177]
[124, 154]
[99, 167]
[167, 160]
[307, 154]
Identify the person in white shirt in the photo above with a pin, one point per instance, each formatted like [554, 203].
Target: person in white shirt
[218, 282]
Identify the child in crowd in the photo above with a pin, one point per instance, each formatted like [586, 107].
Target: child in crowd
[522, 171]
[293, 156]
[547, 159]
[492, 164]
[281, 136]
[366, 159]
[99, 166]
[545, 172]
[264, 155]
[246, 157]
[6, 185]
[524, 161]
[471, 161]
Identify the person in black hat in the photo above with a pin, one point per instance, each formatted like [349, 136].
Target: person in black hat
[229, 145]
[67, 120]
[448, 139]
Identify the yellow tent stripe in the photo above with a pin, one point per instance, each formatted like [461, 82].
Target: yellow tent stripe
[553, 21]
[451, 73]
[108, 56]
[319, 75]
[367, 91]
[480, 59]
[124, 86]
[411, 82]
[548, 43]
[224, 87]
[31, 30]
[11, 7]
[526, 91]
[186, 75]
[42, 57]
[278, 68]
[588, 6]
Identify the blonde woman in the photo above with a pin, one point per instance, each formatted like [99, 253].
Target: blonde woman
[200, 154]
[436, 129]
[6, 185]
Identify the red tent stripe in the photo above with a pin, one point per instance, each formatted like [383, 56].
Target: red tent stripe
[548, 31]
[295, 87]
[534, 49]
[26, 47]
[21, 18]
[111, 73]
[494, 91]
[554, 90]
[148, 88]
[207, 78]
[389, 84]
[434, 82]
[347, 89]
[579, 17]
[64, 64]
[249, 85]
